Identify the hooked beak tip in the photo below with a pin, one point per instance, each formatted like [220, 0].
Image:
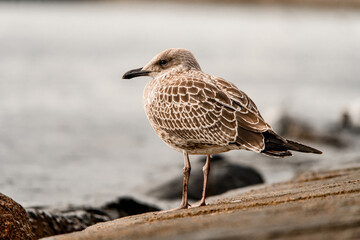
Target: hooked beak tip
[135, 73]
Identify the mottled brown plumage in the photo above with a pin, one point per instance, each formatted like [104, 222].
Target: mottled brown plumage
[196, 113]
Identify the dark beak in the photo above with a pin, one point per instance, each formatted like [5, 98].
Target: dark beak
[135, 73]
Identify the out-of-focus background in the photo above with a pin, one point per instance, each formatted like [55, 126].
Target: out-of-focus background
[72, 131]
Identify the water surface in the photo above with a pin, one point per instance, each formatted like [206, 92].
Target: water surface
[72, 131]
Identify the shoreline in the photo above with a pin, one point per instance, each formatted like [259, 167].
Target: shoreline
[321, 204]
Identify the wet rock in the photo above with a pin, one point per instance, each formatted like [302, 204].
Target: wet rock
[48, 222]
[126, 206]
[14, 222]
[223, 177]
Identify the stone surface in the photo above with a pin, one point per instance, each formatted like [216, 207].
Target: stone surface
[48, 222]
[224, 176]
[316, 205]
[14, 222]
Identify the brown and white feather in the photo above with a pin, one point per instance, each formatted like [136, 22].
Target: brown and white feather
[199, 113]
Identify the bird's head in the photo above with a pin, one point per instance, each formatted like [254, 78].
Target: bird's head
[168, 60]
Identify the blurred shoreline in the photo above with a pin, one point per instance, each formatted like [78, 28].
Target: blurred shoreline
[294, 3]
[297, 3]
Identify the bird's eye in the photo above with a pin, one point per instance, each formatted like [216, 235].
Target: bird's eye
[162, 62]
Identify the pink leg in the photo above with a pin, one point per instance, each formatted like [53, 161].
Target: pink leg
[206, 171]
[187, 168]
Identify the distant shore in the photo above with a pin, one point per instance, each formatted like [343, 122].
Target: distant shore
[316, 3]
[305, 3]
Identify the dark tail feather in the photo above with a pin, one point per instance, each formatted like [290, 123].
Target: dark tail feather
[277, 146]
[291, 145]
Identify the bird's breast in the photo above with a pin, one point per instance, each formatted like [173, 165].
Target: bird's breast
[149, 93]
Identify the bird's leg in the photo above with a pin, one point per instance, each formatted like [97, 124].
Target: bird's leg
[184, 200]
[206, 171]
[186, 169]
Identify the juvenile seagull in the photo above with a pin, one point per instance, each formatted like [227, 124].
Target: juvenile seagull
[196, 113]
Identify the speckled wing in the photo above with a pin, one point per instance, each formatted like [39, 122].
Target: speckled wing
[194, 108]
[248, 115]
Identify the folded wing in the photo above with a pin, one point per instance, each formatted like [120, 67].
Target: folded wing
[209, 112]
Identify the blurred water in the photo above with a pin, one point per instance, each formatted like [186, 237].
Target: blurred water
[73, 131]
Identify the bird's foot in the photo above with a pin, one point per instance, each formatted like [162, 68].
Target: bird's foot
[182, 206]
[201, 204]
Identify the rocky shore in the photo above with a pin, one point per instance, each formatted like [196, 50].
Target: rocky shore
[38, 222]
[315, 205]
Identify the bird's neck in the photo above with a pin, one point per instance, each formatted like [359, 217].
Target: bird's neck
[169, 74]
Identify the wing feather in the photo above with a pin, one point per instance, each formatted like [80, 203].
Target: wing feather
[208, 110]
[248, 115]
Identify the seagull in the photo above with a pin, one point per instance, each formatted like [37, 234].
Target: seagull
[199, 114]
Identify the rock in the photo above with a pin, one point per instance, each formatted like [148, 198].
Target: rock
[48, 222]
[14, 222]
[126, 206]
[347, 123]
[295, 129]
[223, 177]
